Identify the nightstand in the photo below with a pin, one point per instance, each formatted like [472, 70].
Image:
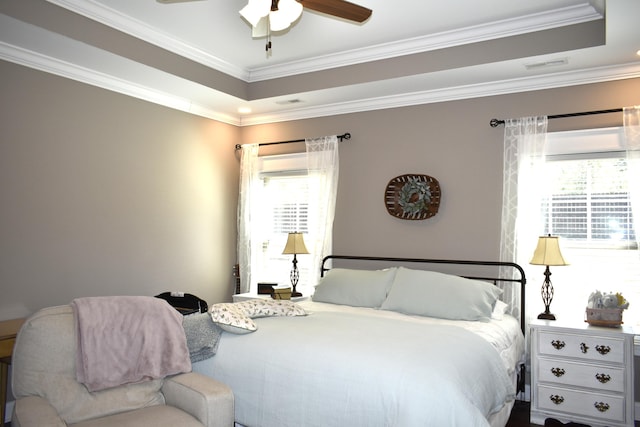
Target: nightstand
[582, 373]
[8, 331]
[249, 295]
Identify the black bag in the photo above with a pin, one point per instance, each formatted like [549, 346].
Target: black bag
[184, 303]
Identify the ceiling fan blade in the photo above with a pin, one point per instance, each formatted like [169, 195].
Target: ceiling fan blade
[340, 8]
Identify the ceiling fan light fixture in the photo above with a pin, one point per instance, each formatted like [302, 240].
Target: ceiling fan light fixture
[288, 11]
[261, 29]
[255, 10]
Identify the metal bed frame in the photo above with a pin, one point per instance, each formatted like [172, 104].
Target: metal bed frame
[511, 273]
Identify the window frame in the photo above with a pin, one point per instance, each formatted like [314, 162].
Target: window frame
[271, 268]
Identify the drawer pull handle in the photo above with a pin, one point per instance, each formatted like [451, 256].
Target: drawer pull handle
[583, 347]
[557, 399]
[603, 349]
[557, 344]
[603, 378]
[601, 406]
[558, 372]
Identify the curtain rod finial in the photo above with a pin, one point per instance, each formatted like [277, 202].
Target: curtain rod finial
[494, 123]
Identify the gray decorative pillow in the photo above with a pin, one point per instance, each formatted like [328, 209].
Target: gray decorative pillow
[358, 288]
[433, 294]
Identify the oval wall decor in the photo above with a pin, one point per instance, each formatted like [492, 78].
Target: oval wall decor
[412, 197]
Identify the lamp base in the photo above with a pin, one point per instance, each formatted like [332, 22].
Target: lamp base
[296, 294]
[546, 316]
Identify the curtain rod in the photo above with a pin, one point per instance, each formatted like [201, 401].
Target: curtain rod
[345, 136]
[497, 122]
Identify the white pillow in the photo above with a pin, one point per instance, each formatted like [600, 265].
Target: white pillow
[270, 307]
[358, 288]
[433, 294]
[499, 310]
[232, 318]
[236, 317]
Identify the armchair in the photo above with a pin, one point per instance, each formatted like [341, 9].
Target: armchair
[47, 393]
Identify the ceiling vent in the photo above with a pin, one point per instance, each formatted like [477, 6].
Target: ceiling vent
[549, 63]
[289, 101]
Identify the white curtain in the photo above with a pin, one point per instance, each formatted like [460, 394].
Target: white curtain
[523, 163]
[323, 167]
[249, 170]
[631, 119]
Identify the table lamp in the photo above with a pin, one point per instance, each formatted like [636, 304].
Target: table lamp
[547, 253]
[295, 245]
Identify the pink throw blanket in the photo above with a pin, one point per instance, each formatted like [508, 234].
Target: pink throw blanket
[128, 339]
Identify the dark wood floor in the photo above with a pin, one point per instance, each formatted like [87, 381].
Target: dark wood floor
[520, 415]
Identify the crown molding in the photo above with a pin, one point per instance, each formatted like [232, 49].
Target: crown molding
[504, 28]
[71, 71]
[46, 63]
[525, 84]
[114, 19]
[494, 30]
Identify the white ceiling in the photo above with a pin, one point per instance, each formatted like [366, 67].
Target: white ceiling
[212, 33]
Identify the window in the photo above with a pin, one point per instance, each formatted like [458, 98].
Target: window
[283, 207]
[588, 206]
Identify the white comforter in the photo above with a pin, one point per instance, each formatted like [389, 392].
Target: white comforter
[342, 366]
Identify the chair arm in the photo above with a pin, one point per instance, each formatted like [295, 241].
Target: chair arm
[208, 400]
[34, 411]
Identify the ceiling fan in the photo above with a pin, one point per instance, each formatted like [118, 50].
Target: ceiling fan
[338, 8]
[266, 16]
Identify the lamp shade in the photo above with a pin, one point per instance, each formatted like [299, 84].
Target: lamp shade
[295, 244]
[548, 252]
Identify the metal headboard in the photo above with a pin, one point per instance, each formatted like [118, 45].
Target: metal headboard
[494, 279]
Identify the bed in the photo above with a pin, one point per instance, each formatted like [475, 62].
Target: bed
[383, 342]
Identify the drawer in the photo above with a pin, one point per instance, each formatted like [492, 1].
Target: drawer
[588, 347]
[601, 377]
[600, 406]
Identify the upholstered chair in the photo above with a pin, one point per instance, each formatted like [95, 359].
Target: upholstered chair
[47, 393]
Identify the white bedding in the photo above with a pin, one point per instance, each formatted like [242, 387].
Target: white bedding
[343, 365]
[504, 335]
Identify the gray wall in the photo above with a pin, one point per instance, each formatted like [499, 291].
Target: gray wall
[450, 141]
[104, 194]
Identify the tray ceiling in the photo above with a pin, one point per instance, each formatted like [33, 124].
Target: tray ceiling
[199, 56]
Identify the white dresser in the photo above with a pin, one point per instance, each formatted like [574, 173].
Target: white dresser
[581, 373]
